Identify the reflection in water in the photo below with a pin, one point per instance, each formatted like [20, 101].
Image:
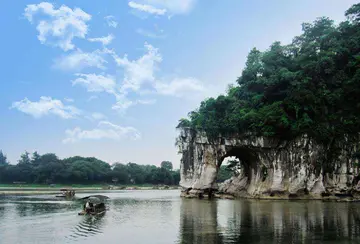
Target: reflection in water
[249, 221]
[2, 211]
[23, 209]
[199, 222]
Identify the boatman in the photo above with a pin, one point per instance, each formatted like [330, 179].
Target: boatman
[87, 207]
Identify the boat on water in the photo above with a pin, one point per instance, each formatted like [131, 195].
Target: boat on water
[94, 205]
[67, 193]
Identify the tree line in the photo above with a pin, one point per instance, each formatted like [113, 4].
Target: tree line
[49, 169]
[310, 86]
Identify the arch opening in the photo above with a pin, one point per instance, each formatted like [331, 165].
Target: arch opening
[239, 161]
[229, 167]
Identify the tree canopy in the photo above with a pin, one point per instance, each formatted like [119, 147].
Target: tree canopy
[3, 159]
[48, 168]
[166, 165]
[310, 86]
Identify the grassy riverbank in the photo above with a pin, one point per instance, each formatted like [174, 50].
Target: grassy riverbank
[34, 189]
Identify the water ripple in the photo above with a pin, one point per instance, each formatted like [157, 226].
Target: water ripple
[88, 226]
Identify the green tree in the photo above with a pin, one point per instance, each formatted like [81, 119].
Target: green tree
[136, 173]
[353, 13]
[120, 172]
[35, 159]
[3, 158]
[24, 171]
[224, 173]
[176, 177]
[24, 158]
[167, 165]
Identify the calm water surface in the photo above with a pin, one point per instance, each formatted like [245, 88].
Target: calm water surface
[163, 217]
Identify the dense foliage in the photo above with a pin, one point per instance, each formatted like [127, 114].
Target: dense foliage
[224, 173]
[48, 168]
[310, 86]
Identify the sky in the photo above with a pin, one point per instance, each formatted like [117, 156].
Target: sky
[110, 79]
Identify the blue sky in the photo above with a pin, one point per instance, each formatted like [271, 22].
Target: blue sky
[111, 79]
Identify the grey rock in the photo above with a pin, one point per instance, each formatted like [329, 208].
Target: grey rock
[293, 169]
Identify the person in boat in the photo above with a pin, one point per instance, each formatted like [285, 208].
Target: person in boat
[88, 207]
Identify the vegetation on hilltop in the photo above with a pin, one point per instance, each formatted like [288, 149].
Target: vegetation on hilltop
[310, 86]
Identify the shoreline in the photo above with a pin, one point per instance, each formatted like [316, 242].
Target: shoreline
[225, 196]
[29, 190]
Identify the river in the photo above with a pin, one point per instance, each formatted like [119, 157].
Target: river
[155, 217]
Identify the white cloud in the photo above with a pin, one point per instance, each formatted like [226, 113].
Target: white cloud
[122, 103]
[149, 34]
[95, 116]
[69, 100]
[110, 20]
[179, 87]
[79, 60]
[46, 106]
[140, 71]
[139, 77]
[147, 8]
[98, 116]
[58, 27]
[96, 83]
[104, 130]
[92, 98]
[105, 40]
[172, 7]
[151, 101]
[107, 83]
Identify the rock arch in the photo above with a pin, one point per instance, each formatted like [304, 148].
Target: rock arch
[270, 169]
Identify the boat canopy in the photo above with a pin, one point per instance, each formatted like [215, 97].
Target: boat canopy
[95, 198]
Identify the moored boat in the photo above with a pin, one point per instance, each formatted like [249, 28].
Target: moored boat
[65, 192]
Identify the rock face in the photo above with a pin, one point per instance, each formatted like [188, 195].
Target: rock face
[294, 169]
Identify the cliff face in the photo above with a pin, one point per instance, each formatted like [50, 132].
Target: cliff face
[296, 169]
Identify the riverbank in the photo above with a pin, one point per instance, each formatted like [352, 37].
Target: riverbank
[46, 189]
[329, 198]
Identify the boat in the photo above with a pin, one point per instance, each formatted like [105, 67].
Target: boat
[96, 205]
[67, 193]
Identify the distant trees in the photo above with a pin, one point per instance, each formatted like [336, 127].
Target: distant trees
[48, 168]
[3, 159]
[24, 158]
[3, 165]
[167, 165]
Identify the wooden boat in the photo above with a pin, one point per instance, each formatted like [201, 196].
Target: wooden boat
[67, 193]
[97, 205]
